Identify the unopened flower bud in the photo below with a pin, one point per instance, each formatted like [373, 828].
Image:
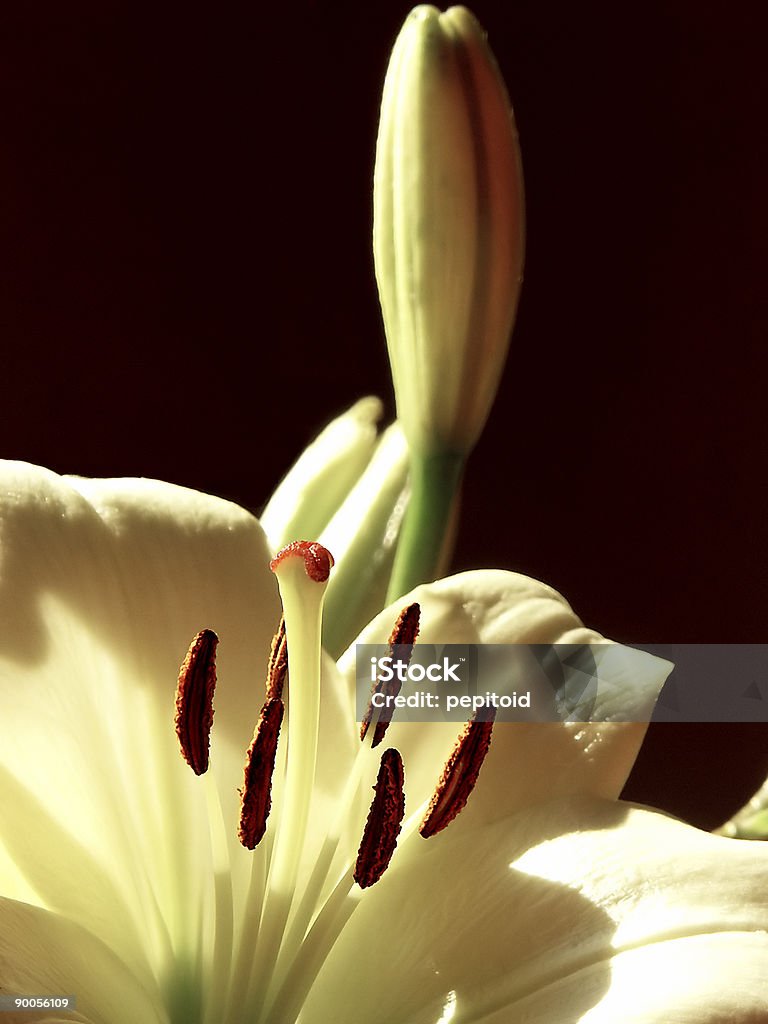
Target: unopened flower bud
[448, 227]
[322, 477]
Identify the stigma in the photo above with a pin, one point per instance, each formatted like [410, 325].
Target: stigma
[318, 561]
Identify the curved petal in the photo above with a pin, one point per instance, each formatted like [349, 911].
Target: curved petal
[527, 762]
[43, 953]
[102, 586]
[70, 880]
[556, 915]
[701, 979]
[146, 565]
[184, 560]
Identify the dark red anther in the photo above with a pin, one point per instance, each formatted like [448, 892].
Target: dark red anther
[407, 626]
[384, 821]
[194, 700]
[459, 775]
[256, 793]
[403, 635]
[317, 559]
[278, 663]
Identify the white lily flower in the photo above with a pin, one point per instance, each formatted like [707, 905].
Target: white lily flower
[122, 876]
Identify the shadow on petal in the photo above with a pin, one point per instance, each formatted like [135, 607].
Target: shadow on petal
[452, 915]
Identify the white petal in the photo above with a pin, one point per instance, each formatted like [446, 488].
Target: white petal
[576, 907]
[66, 876]
[695, 980]
[102, 586]
[42, 953]
[145, 565]
[183, 560]
[527, 762]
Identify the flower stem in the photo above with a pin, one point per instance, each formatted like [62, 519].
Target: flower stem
[751, 822]
[435, 481]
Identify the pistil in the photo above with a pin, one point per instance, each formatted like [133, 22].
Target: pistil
[302, 570]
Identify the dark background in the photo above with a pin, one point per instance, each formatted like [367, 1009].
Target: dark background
[187, 291]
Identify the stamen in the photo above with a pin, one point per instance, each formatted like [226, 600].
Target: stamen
[403, 635]
[278, 663]
[256, 793]
[459, 776]
[384, 820]
[194, 700]
[318, 560]
[259, 767]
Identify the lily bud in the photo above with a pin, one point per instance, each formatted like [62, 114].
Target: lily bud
[323, 475]
[448, 227]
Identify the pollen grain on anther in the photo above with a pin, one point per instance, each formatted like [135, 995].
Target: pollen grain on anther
[278, 663]
[459, 775]
[407, 626]
[256, 793]
[194, 700]
[384, 821]
[401, 641]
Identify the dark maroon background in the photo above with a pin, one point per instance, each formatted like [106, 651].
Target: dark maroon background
[187, 291]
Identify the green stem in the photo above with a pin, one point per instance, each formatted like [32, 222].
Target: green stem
[434, 482]
[751, 822]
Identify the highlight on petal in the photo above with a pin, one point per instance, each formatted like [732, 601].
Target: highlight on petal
[67, 878]
[569, 911]
[527, 762]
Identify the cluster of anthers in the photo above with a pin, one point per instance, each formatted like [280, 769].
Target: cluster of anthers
[194, 719]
